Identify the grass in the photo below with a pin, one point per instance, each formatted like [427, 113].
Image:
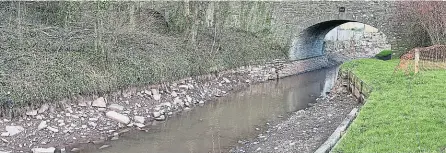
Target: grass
[403, 113]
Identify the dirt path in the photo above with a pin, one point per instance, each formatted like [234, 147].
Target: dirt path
[304, 131]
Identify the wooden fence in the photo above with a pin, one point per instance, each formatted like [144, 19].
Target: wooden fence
[355, 85]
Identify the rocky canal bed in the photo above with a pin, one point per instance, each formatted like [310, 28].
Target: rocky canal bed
[306, 130]
[72, 124]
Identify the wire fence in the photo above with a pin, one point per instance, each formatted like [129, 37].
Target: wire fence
[423, 59]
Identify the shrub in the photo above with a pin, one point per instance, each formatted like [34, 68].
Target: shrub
[384, 53]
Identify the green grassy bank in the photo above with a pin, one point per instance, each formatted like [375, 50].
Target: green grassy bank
[403, 113]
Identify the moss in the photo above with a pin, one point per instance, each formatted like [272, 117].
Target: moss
[384, 53]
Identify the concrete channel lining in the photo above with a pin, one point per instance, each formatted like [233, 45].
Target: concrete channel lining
[338, 133]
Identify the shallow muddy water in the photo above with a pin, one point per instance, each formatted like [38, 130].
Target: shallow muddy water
[218, 125]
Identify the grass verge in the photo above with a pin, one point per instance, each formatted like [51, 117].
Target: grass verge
[403, 113]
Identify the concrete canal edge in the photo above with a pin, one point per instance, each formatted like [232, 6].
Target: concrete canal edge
[332, 141]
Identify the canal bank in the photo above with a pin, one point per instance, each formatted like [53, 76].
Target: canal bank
[86, 122]
[305, 130]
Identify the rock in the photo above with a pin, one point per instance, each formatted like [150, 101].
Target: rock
[148, 92]
[156, 114]
[43, 150]
[43, 108]
[187, 104]
[157, 96]
[42, 125]
[93, 119]
[31, 113]
[75, 150]
[116, 107]
[188, 98]
[155, 91]
[100, 102]
[174, 94]
[82, 104]
[226, 80]
[92, 124]
[52, 129]
[102, 109]
[104, 146]
[160, 118]
[166, 104]
[140, 125]
[39, 117]
[247, 81]
[13, 130]
[118, 117]
[178, 101]
[183, 86]
[201, 102]
[139, 119]
[4, 134]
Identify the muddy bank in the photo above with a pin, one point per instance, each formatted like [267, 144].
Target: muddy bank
[305, 130]
[76, 123]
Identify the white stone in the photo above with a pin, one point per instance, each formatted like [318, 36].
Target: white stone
[156, 114]
[42, 125]
[161, 118]
[43, 108]
[187, 104]
[39, 117]
[188, 98]
[13, 130]
[174, 94]
[201, 102]
[139, 119]
[183, 86]
[93, 119]
[82, 104]
[177, 101]
[4, 134]
[166, 104]
[100, 102]
[31, 113]
[52, 129]
[157, 96]
[43, 150]
[116, 107]
[140, 125]
[154, 91]
[104, 146]
[148, 92]
[118, 117]
[93, 124]
[226, 80]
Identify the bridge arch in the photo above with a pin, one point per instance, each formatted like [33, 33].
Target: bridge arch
[309, 41]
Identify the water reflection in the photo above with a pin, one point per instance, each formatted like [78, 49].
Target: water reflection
[217, 126]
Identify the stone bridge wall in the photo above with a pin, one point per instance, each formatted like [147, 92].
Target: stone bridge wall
[301, 26]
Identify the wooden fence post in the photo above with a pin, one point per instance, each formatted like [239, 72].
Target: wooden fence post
[417, 60]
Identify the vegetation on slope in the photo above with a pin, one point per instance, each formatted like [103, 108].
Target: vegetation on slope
[402, 114]
[54, 50]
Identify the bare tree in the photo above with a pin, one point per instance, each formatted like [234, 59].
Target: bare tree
[431, 15]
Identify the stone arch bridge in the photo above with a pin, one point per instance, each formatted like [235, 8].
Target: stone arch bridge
[302, 25]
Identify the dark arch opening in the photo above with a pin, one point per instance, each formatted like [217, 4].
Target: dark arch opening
[310, 42]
